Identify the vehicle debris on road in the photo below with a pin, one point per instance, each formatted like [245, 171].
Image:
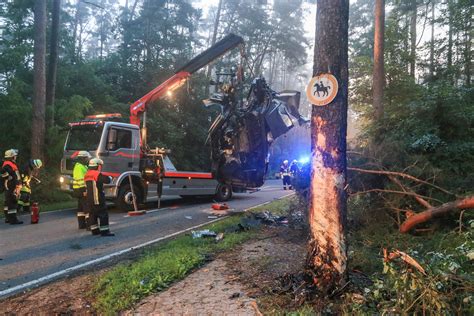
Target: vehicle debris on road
[203, 233]
[220, 206]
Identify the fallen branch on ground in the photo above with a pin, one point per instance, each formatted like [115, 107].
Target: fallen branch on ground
[416, 219]
[405, 257]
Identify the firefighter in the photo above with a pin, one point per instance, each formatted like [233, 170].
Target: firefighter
[285, 175]
[95, 180]
[12, 186]
[26, 174]
[79, 188]
[294, 169]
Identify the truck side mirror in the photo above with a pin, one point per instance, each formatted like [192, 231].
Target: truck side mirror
[111, 139]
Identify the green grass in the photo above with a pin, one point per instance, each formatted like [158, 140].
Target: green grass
[160, 266]
[58, 206]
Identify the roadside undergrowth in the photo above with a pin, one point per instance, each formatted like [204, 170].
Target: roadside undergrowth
[160, 266]
[445, 253]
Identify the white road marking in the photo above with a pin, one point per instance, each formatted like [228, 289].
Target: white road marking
[50, 277]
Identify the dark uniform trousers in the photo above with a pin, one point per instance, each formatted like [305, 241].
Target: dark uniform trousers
[99, 217]
[82, 208]
[10, 179]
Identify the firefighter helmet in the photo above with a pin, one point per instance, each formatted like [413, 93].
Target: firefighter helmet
[11, 153]
[95, 162]
[285, 162]
[84, 154]
[37, 163]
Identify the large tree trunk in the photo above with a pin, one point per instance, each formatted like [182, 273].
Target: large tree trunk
[213, 41]
[53, 58]
[379, 75]
[327, 253]
[413, 38]
[39, 81]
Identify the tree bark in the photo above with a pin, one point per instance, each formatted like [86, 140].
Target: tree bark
[327, 252]
[379, 74]
[413, 38]
[53, 58]
[39, 81]
[422, 217]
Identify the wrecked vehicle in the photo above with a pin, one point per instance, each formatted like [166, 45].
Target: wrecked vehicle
[241, 135]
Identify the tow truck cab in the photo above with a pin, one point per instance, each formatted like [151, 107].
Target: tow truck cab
[118, 145]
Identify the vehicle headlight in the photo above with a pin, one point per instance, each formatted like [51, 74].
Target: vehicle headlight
[61, 179]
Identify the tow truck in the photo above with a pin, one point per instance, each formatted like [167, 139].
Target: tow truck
[140, 173]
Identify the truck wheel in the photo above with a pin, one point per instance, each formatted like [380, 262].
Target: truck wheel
[224, 192]
[124, 199]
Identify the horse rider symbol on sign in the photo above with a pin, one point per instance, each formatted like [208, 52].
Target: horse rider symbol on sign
[322, 89]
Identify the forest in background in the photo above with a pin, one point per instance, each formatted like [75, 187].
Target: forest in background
[110, 54]
[412, 154]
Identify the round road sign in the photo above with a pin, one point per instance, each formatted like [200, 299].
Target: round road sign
[322, 89]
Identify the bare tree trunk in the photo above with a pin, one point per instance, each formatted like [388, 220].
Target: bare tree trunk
[413, 38]
[213, 41]
[327, 252]
[39, 81]
[53, 58]
[379, 74]
[432, 66]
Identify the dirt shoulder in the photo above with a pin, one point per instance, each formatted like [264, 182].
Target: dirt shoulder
[236, 282]
[68, 296]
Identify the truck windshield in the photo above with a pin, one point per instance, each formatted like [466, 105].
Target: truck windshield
[84, 138]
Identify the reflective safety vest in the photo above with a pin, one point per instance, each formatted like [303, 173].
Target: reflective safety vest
[6, 177]
[284, 170]
[11, 164]
[93, 176]
[25, 179]
[78, 175]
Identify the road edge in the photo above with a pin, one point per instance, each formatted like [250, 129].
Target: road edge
[56, 275]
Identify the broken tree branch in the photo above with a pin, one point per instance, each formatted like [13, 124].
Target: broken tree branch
[411, 222]
[397, 192]
[387, 257]
[400, 174]
[418, 198]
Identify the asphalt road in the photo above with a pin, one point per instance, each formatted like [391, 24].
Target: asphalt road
[36, 253]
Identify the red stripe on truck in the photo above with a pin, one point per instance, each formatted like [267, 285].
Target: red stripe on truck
[195, 175]
[126, 155]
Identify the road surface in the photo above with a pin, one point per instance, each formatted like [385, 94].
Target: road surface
[35, 254]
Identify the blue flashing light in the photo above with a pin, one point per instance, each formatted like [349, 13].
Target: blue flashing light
[303, 160]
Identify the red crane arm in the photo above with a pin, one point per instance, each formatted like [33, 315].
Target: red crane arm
[169, 85]
[218, 49]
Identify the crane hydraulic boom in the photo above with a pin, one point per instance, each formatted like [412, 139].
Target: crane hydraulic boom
[139, 107]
